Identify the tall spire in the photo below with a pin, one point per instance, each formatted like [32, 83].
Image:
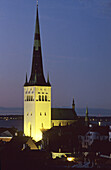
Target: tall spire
[37, 67]
[73, 104]
[48, 82]
[26, 78]
[86, 117]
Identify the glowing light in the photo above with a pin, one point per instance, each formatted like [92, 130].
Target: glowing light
[99, 123]
[70, 159]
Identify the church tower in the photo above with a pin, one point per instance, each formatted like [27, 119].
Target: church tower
[37, 94]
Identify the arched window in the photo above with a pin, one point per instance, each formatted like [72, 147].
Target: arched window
[42, 98]
[45, 113]
[39, 97]
[45, 98]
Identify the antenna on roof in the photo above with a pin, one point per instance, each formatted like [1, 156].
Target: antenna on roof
[37, 2]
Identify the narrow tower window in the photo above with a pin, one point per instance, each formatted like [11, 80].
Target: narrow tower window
[42, 98]
[39, 98]
[45, 98]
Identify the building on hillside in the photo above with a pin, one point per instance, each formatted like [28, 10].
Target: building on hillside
[38, 115]
[95, 133]
[6, 134]
[61, 139]
[109, 133]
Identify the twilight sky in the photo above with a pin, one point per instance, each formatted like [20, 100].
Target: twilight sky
[76, 48]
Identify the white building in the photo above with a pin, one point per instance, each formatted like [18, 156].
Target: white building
[95, 133]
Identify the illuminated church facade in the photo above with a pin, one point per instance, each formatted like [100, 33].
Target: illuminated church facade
[38, 115]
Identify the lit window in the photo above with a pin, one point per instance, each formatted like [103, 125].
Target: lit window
[45, 98]
[39, 98]
[42, 98]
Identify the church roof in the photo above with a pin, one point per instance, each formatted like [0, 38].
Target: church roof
[37, 75]
[63, 114]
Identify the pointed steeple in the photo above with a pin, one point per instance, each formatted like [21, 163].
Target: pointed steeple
[48, 78]
[73, 104]
[37, 67]
[73, 109]
[48, 82]
[35, 80]
[86, 117]
[26, 78]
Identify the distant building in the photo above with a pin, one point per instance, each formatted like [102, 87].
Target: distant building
[6, 134]
[95, 133]
[109, 133]
[61, 139]
[38, 115]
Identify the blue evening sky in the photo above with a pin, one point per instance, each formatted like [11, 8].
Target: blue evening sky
[76, 48]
